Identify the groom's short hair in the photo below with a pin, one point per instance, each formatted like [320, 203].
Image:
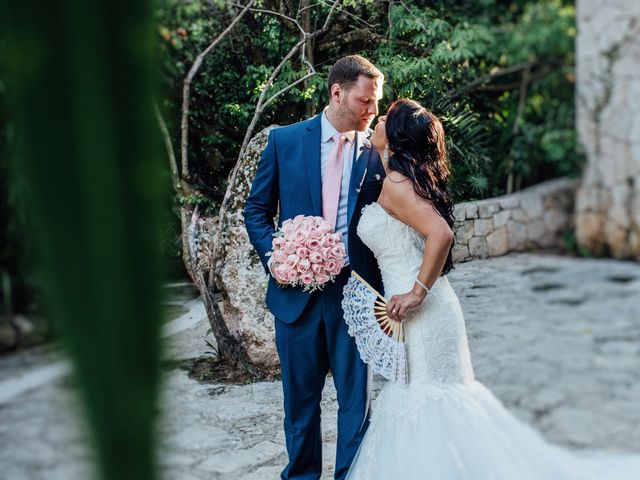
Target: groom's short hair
[345, 72]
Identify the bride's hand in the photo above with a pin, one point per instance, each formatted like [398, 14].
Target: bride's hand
[399, 305]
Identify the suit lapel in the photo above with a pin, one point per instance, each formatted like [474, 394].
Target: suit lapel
[357, 176]
[311, 146]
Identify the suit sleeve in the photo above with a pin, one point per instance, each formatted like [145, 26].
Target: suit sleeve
[262, 204]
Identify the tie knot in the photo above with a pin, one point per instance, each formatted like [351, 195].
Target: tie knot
[340, 138]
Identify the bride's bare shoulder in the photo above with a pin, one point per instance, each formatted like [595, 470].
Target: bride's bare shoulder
[397, 186]
[395, 177]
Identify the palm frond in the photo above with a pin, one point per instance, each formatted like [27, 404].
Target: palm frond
[467, 141]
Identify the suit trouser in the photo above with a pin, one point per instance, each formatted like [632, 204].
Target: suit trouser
[308, 348]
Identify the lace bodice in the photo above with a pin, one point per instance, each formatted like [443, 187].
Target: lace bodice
[398, 247]
[435, 333]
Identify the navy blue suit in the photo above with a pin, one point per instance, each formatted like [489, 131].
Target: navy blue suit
[311, 335]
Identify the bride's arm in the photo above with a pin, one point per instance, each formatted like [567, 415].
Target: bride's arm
[399, 199]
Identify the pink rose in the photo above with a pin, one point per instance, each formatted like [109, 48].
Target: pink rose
[313, 232]
[302, 252]
[324, 243]
[336, 268]
[292, 260]
[330, 265]
[337, 251]
[289, 247]
[287, 228]
[280, 272]
[325, 228]
[279, 256]
[300, 236]
[307, 278]
[303, 265]
[277, 242]
[315, 257]
[315, 268]
[312, 244]
[328, 241]
[291, 276]
[322, 278]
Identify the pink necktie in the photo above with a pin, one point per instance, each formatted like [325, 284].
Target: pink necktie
[333, 180]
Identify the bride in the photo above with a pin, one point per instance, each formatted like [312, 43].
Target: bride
[443, 425]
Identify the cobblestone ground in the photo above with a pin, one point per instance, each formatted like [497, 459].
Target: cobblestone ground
[557, 339]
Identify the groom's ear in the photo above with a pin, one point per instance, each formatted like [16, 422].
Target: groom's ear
[336, 93]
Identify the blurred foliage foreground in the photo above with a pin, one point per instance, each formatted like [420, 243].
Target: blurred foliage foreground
[84, 143]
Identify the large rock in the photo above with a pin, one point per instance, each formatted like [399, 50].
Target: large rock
[608, 123]
[243, 280]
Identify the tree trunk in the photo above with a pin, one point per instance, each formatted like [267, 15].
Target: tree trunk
[197, 250]
[310, 107]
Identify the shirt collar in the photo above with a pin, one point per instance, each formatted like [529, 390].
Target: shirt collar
[328, 130]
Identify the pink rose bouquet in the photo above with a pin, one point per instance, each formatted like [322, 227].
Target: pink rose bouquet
[307, 253]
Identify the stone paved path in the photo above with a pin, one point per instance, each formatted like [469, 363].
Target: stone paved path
[557, 339]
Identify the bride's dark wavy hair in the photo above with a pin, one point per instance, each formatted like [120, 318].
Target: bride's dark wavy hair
[417, 145]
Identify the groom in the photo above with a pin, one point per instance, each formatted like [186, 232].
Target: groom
[323, 166]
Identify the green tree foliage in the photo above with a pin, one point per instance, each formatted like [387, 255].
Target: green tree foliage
[464, 60]
[468, 65]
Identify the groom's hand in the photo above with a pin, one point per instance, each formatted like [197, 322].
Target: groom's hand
[269, 265]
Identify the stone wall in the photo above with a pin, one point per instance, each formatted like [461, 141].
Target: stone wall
[608, 123]
[532, 219]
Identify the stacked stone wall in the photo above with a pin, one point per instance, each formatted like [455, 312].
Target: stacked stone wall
[532, 219]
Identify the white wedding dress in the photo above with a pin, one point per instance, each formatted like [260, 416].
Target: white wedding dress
[445, 425]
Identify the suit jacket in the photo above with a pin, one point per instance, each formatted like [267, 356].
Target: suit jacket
[288, 179]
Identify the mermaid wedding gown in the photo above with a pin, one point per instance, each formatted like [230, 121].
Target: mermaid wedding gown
[445, 425]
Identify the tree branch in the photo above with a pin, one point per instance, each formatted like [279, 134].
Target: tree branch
[310, 6]
[480, 82]
[349, 14]
[522, 98]
[424, 27]
[166, 137]
[366, 35]
[289, 87]
[277, 14]
[261, 100]
[259, 108]
[186, 90]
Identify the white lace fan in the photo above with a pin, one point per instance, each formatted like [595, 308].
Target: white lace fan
[380, 340]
